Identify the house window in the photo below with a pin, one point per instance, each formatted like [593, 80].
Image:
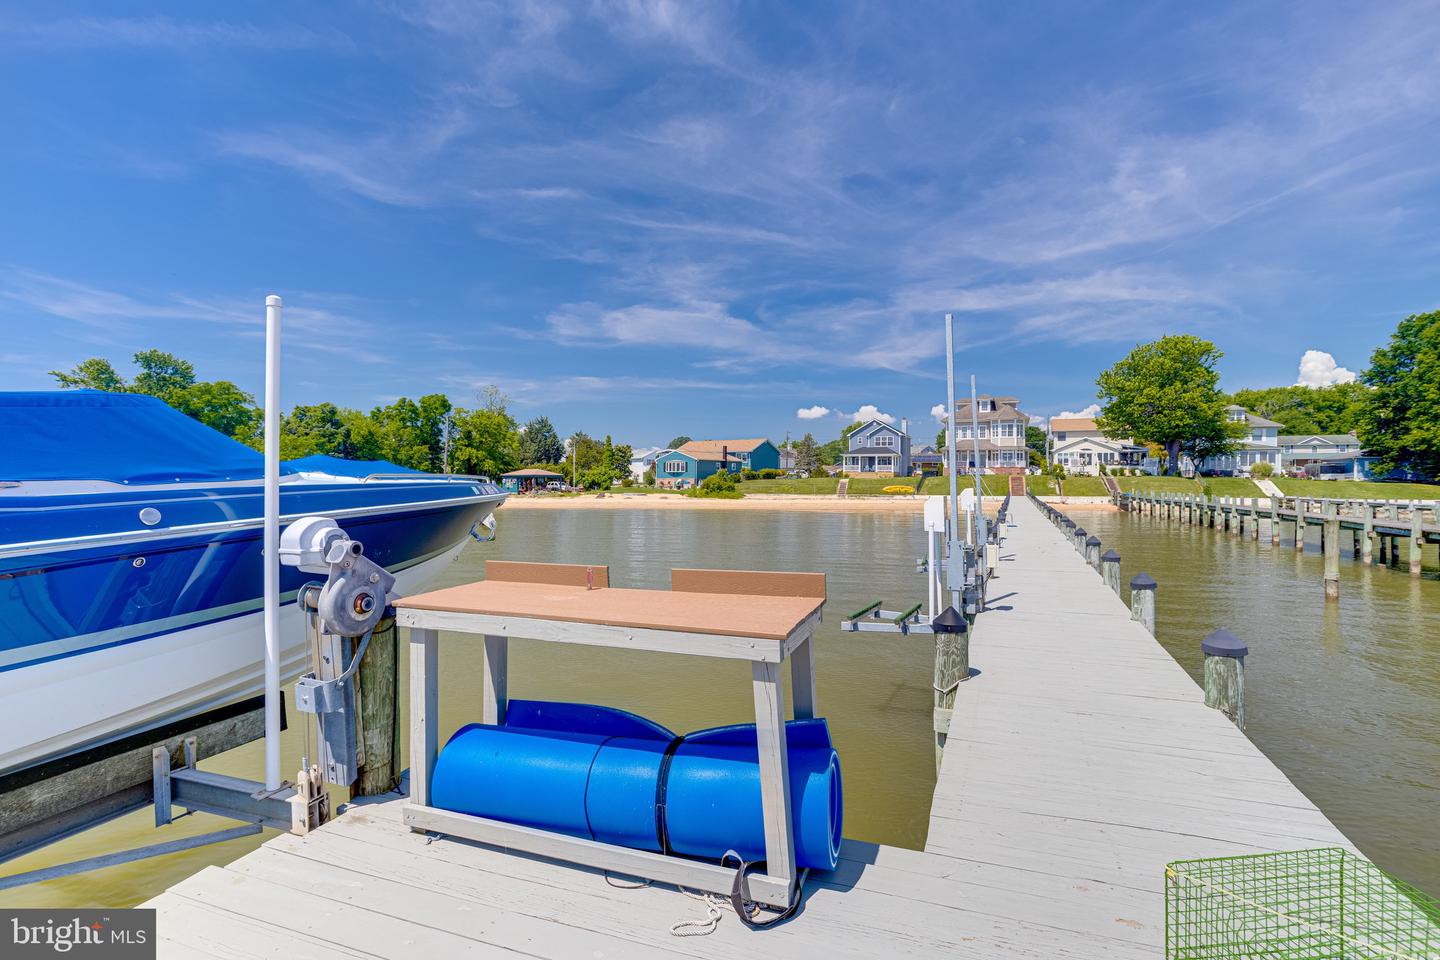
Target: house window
[884, 440]
[675, 466]
[984, 406]
[984, 431]
[1060, 437]
[1007, 429]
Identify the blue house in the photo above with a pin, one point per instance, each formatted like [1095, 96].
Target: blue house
[687, 465]
[879, 449]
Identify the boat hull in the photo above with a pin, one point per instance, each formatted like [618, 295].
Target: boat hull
[98, 642]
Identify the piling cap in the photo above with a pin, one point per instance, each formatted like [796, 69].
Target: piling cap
[1079, 531]
[1142, 581]
[1094, 541]
[1223, 643]
[949, 621]
[1068, 522]
[1110, 556]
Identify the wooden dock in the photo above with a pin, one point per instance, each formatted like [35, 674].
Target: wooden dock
[1080, 760]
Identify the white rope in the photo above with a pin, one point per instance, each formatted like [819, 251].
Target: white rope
[701, 927]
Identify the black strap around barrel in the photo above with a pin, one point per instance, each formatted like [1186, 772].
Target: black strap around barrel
[746, 909]
[662, 787]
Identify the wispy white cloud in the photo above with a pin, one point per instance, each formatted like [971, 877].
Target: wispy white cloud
[1084, 412]
[1319, 369]
[867, 412]
[813, 413]
[161, 32]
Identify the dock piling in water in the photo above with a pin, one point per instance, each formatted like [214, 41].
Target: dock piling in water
[1142, 600]
[379, 713]
[1417, 539]
[952, 666]
[1110, 570]
[1330, 543]
[1092, 552]
[1225, 674]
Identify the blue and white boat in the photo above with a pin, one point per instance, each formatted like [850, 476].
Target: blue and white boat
[130, 562]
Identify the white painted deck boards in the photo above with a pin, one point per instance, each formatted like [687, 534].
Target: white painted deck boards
[1079, 762]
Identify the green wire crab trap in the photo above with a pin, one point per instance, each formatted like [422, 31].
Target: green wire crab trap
[1324, 904]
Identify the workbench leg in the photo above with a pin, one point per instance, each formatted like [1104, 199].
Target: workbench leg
[802, 678]
[497, 655]
[424, 711]
[774, 770]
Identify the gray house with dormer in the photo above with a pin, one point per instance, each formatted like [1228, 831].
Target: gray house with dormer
[878, 449]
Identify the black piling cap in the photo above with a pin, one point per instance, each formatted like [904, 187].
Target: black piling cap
[1223, 643]
[1079, 531]
[948, 621]
[1068, 522]
[1110, 556]
[1142, 581]
[1094, 541]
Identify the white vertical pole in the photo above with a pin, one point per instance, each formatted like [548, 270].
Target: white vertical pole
[271, 556]
[979, 500]
[952, 435]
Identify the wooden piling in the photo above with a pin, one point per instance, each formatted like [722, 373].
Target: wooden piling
[1299, 524]
[1255, 518]
[1330, 543]
[1078, 540]
[1225, 674]
[379, 714]
[1110, 570]
[1092, 552]
[1275, 521]
[952, 667]
[1142, 601]
[1417, 539]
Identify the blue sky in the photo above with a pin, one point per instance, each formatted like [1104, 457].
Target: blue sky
[651, 218]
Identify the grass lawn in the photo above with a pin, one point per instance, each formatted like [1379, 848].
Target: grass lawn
[1219, 486]
[1359, 489]
[1041, 486]
[1083, 487]
[875, 486]
[991, 485]
[815, 486]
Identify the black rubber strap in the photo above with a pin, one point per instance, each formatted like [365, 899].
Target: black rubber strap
[662, 787]
[748, 911]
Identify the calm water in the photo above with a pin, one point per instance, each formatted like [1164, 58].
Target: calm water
[874, 688]
[1343, 697]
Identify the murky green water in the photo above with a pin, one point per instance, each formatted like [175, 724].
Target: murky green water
[1344, 697]
[874, 688]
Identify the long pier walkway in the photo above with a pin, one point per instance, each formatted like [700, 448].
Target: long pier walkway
[1080, 760]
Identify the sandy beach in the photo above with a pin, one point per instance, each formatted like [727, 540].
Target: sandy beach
[753, 501]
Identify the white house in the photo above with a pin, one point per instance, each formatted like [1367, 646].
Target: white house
[1081, 448]
[1001, 436]
[1260, 444]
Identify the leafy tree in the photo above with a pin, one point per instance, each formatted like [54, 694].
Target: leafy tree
[539, 443]
[677, 442]
[1035, 440]
[95, 373]
[220, 405]
[1167, 392]
[486, 442]
[834, 451]
[161, 374]
[807, 454]
[1400, 422]
[1298, 409]
[314, 428]
[412, 433]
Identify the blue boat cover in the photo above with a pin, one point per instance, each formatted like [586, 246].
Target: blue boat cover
[336, 467]
[120, 437]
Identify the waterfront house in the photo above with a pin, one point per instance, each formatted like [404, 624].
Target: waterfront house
[1081, 448]
[878, 449]
[1001, 425]
[523, 481]
[1260, 444]
[1300, 449]
[926, 461]
[692, 462]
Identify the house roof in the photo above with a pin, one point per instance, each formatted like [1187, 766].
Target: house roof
[1254, 419]
[1072, 423]
[1291, 439]
[702, 456]
[710, 449]
[1099, 442]
[533, 472]
[1007, 410]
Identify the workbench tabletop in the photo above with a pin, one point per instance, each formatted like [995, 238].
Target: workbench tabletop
[716, 614]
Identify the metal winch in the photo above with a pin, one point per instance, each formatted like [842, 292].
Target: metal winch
[347, 606]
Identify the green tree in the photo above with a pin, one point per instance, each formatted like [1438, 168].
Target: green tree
[1299, 409]
[1400, 421]
[834, 451]
[220, 405]
[678, 442]
[486, 442]
[412, 433]
[1167, 392]
[95, 373]
[161, 374]
[807, 454]
[539, 443]
[1035, 440]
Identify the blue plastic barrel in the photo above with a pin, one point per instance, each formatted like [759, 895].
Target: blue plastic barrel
[595, 772]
